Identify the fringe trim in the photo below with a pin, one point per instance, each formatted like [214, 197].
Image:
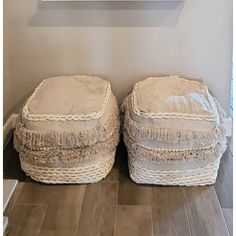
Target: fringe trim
[165, 156]
[68, 156]
[171, 136]
[36, 140]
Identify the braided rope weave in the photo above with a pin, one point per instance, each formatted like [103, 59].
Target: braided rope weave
[90, 173]
[192, 177]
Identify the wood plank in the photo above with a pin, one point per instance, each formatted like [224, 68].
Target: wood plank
[9, 186]
[169, 212]
[98, 211]
[35, 193]
[131, 193]
[10, 207]
[5, 223]
[133, 221]
[228, 214]
[26, 220]
[204, 212]
[8, 189]
[64, 208]
[224, 182]
[57, 233]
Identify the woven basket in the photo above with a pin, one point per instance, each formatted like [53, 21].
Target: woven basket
[90, 173]
[191, 177]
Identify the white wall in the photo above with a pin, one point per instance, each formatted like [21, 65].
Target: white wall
[121, 41]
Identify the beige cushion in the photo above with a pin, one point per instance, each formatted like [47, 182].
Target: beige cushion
[69, 102]
[174, 103]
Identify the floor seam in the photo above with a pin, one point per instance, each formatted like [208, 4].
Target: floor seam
[43, 219]
[186, 210]
[222, 212]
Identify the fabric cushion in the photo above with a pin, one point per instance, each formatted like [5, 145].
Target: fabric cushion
[84, 102]
[174, 103]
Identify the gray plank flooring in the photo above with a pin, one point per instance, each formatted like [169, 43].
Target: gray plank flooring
[99, 210]
[133, 221]
[204, 212]
[169, 212]
[224, 183]
[228, 213]
[118, 207]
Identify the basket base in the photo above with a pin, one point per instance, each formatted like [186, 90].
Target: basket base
[192, 177]
[91, 173]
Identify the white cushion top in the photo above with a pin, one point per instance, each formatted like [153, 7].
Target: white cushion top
[68, 98]
[173, 97]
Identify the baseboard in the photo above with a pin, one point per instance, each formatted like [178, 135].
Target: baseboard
[8, 129]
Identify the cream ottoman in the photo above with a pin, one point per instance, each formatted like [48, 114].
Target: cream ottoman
[173, 132]
[68, 130]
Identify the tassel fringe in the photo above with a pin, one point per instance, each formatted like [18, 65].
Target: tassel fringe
[36, 140]
[165, 156]
[66, 156]
[170, 136]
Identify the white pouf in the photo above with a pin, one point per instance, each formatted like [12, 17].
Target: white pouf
[173, 132]
[69, 130]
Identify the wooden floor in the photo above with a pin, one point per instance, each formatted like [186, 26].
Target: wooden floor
[117, 206]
